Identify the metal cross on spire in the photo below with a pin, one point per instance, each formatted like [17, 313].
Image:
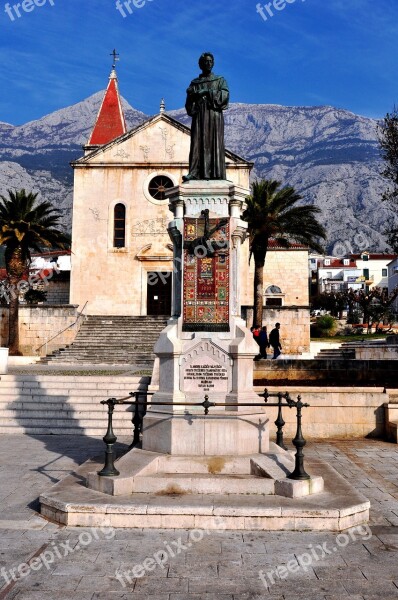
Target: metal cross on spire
[115, 58]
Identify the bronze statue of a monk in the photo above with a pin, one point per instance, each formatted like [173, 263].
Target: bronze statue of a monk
[207, 98]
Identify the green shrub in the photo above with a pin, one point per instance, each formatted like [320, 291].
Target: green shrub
[325, 326]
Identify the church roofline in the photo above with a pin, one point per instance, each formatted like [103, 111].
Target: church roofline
[159, 117]
[110, 122]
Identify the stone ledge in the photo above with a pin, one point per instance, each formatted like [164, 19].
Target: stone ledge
[339, 507]
[298, 489]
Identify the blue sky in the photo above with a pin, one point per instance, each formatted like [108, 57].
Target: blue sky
[312, 52]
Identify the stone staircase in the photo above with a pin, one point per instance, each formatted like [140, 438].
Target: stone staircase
[112, 341]
[344, 352]
[67, 405]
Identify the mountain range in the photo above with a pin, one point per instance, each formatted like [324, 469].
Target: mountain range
[329, 155]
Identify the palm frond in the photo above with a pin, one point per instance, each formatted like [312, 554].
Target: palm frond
[28, 224]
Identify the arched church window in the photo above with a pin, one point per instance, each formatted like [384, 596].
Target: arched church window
[158, 186]
[273, 296]
[119, 226]
[273, 289]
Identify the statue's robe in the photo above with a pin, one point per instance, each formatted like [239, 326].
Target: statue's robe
[207, 154]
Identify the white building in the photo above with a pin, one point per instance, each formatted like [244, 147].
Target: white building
[393, 280]
[338, 274]
[374, 267]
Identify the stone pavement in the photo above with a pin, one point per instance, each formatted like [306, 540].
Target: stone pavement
[103, 564]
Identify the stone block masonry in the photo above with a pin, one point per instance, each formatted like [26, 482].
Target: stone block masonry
[295, 326]
[58, 292]
[329, 372]
[38, 324]
[334, 412]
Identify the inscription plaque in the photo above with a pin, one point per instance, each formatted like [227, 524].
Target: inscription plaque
[205, 375]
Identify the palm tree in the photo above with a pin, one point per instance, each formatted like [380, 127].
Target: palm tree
[272, 213]
[25, 225]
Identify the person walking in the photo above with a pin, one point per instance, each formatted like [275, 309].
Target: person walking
[256, 336]
[263, 341]
[274, 340]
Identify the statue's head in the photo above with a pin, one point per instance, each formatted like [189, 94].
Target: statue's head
[206, 61]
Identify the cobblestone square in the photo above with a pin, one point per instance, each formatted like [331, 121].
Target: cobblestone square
[40, 560]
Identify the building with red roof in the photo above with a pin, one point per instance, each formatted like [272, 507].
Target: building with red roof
[110, 122]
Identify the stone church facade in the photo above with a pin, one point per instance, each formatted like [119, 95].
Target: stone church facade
[121, 252]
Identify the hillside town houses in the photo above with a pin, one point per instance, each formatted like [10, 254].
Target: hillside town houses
[354, 271]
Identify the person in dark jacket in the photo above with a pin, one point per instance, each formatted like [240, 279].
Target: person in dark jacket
[274, 340]
[264, 344]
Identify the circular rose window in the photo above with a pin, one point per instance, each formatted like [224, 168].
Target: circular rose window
[158, 185]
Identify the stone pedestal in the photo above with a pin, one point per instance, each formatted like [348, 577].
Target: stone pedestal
[3, 361]
[192, 360]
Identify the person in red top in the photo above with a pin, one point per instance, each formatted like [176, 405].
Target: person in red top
[256, 334]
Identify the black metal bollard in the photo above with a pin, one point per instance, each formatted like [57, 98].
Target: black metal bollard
[206, 404]
[136, 420]
[299, 443]
[138, 416]
[280, 423]
[110, 439]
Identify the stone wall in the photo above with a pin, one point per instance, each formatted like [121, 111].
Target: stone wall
[295, 326]
[377, 352]
[38, 324]
[327, 372]
[286, 269]
[58, 292]
[338, 412]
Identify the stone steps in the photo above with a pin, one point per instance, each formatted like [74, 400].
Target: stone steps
[342, 353]
[112, 340]
[346, 350]
[45, 404]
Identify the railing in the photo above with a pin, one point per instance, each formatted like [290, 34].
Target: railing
[110, 438]
[80, 315]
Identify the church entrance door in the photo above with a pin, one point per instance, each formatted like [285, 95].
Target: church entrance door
[159, 293]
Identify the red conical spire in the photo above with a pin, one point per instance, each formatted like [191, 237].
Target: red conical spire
[110, 121]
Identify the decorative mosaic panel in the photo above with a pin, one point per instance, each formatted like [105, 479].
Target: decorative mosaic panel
[206, 278]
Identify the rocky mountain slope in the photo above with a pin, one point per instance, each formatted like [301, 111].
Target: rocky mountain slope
[36, 156]
[329, 155]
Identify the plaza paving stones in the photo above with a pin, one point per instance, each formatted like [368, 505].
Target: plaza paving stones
[220, 566]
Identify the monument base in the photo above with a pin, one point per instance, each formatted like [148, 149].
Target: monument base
[216, 434]
[148, 472]
[191, 366]
[229, 495]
